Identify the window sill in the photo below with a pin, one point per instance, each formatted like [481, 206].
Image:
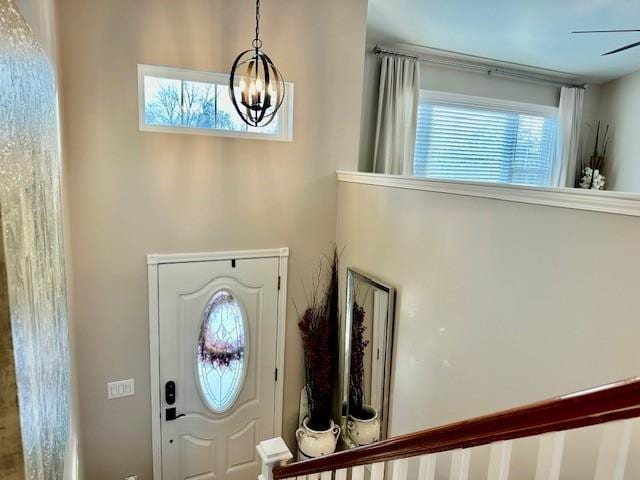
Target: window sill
[573, 198]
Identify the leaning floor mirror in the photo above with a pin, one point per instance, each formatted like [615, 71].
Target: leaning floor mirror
[368, 337]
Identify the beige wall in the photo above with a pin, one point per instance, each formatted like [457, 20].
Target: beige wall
[620, 108]
[135, 193]
[499, 303]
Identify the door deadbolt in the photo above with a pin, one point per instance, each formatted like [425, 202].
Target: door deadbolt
[170, 392]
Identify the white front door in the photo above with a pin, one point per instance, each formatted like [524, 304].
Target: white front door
[218, 323]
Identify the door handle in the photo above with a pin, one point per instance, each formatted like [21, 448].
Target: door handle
[170, 414]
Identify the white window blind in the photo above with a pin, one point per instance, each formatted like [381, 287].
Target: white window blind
[478, 139]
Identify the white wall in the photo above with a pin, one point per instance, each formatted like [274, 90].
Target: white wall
[620, 108]
[434, 77]
[499, 303]
[134, 193]
[590, 116]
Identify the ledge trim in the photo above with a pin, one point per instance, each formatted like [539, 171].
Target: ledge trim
[573, 198]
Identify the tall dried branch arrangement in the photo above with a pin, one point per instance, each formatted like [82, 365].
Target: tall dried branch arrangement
[598, 158]
[319, 326]
[356, 368]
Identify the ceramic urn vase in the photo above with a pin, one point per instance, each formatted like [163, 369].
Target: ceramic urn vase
[314, 443]
[364, 431]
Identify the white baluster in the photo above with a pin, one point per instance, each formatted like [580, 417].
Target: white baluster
[400, 468]
[500, 460]
[313, 476]
[302, 477]
[357, 473]
[377, 471]
[341, 474]
[550, 456]
[427, 468]
[273, 452]
[614, 450]
[460, 464]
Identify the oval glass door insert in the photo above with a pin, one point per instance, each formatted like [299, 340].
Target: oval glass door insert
[221, 361]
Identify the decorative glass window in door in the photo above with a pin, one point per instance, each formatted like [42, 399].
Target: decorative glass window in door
[221, 361]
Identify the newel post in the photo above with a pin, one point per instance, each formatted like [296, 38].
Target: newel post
[273, 452]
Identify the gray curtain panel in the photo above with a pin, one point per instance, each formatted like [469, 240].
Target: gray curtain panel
[397, 115]
[569, 128]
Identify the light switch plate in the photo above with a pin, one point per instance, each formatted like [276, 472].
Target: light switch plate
[122, 388]
[131, 477]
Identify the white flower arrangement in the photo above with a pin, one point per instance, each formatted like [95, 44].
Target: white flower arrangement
[592, 179]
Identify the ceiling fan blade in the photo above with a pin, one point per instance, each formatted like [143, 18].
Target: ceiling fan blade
[626, 47]
[605, 31]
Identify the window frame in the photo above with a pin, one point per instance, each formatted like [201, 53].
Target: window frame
[183, 74]
[495, 105]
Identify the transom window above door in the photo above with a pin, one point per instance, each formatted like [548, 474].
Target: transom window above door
[461, 137]
[175, 100]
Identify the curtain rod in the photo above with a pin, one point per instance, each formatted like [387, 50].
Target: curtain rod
[479, 67]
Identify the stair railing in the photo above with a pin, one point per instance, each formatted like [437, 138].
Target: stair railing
[549, 419]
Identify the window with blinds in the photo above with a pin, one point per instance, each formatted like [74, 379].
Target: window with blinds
[479, 139]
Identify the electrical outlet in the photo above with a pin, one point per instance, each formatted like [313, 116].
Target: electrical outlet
[131, 477]
[122, 388]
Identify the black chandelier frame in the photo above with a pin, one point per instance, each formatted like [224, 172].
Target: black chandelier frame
[257, 109]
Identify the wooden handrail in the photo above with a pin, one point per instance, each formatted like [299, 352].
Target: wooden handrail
[615, 401]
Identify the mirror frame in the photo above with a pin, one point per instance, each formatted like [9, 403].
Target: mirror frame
[352, 275]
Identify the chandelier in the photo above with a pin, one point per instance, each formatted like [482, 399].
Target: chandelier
[256, 86]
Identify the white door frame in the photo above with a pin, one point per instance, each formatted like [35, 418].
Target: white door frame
[153, 263]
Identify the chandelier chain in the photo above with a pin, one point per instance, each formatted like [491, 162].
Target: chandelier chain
[257, 42]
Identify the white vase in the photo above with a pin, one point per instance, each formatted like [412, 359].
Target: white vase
[364, 431]
[314, 443]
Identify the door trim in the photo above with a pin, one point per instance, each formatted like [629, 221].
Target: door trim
[153, 263]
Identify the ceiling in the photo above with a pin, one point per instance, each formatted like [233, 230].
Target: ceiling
[536, 33]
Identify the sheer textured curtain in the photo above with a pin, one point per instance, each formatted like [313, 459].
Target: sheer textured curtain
[31, 200]
[569, 127]
[397, 114]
